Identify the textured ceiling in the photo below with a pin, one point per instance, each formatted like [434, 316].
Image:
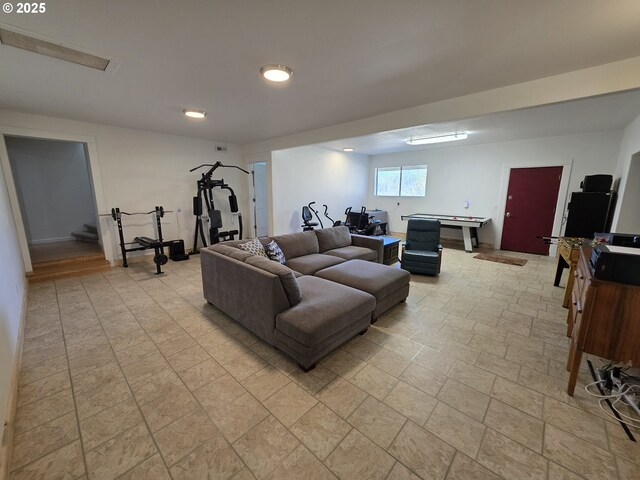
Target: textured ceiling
[351, 59]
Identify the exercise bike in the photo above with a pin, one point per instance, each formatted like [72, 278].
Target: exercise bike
[307, 217]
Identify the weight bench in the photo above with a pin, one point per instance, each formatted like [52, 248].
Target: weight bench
[159, 258]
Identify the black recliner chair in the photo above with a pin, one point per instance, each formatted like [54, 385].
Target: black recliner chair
[422, 251]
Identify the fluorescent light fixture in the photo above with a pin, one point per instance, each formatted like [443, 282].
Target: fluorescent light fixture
[348, 149]
[276, 73]
[193, 113]
[449, 137]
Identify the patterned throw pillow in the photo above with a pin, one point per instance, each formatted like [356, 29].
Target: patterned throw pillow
[274, 252]
[254, 247]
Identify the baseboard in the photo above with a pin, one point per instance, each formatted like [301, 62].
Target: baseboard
[6, 442]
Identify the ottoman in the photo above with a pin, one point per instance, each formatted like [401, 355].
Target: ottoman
[388, 285]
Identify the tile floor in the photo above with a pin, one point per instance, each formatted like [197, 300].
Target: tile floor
[128, 375]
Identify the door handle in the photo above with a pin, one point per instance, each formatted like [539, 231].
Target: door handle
[508, 214]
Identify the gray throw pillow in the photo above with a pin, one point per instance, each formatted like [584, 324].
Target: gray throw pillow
[274, 252]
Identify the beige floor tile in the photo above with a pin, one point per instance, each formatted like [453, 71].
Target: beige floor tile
[403, 346]
[390, 362]
[66, 462]
[127, 341]
[518, 396]
[42, 369]
[201, 374]
[151, 469]
[265, 382]
[342, 397]
[213, 459]
[184, 435]
[411, 402]
[245, 365]
[245, 474]
[227, 352]
[343, 363]
[435, 360]
[188, 358]
[361, 348]
[400, 472]
[423, 378]
[88, 347]
[509, 459]
[109, 423]
[145, 368]
[620, 445]
[577, 422]
[42, 354]
[223, 389]
[87, 381]
[469, 401]
[175, 345]
[155, 386]
[424, 453]
[545, 384]
[473, 377]
[374, 381]
[516, 425]
[498, 366]
[71, 338]
[42, 411]
[236, 417]
[488, 345]
[358, 457]
[320, 430]
[45, 387]
[43, 439]
[377, 421]
[289, 404]
[137, 352]
[456, 428]
[301, 464]
[578, 455]
[265, 447]
[556, 472]
[121, 453]
[626, 469]
[107, 395]
[80, 365]
[314, 380]
[169, 407]
[464, 468]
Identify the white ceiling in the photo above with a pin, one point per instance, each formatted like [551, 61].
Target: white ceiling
[610, 112]
[351, 59]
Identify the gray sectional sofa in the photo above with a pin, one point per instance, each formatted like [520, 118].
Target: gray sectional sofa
[331, 287]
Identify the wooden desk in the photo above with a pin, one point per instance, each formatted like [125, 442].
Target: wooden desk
[568, 255]
[604, 319]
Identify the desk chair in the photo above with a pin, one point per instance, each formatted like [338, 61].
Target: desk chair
[422, 251]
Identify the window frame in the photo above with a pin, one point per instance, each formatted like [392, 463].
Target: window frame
[400, 168]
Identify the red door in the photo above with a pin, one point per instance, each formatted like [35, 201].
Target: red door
[531, 206]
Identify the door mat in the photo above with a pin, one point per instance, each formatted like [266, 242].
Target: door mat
[501, 259]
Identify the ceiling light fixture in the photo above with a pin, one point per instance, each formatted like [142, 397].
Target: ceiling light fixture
[193, 113]
[348, 149]
[276, 73]
[449, 137]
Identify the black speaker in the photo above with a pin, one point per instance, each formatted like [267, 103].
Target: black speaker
[596, 183]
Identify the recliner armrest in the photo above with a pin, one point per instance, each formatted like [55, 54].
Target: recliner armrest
[374, 243]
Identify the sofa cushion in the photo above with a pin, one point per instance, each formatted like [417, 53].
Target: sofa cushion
[230, 251]
[274, 252]
[421, 256]
[310, 264]
[352, 252]
[334, 237]
[254, 247]
[287, 278]
[297, 244]
[325, 309]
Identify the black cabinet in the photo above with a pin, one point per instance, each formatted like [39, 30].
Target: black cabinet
[589, 213]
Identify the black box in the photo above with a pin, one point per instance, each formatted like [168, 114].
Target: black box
[176, 250]
[616, 264]
[596, 183]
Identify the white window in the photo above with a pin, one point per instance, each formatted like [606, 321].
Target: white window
[407, 181]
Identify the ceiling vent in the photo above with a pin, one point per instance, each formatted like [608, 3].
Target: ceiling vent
[27, 42]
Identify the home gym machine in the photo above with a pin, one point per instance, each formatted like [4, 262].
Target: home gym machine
[206, 184]
[144, 243]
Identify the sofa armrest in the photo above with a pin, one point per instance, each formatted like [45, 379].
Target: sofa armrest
[374, 243]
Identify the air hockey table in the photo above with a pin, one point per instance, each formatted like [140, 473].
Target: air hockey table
[468, 224]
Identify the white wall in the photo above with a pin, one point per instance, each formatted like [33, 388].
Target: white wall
[136, 170]
[474, 173]
[53, 184]
[306, 174]
[626, 218]
[12, 290]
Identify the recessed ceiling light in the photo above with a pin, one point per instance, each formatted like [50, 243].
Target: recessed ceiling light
[276, 73]
[450, 137]
[348, 149]
[193, 113]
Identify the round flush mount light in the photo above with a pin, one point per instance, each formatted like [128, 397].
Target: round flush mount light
[193, 113]
[348, 149]
[276, 73]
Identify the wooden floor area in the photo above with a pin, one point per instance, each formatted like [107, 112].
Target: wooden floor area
[44, 252]
[51, 261]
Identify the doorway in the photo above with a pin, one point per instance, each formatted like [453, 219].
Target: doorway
[57, 204]
[530, 209]
[628, 218]
[259, 199]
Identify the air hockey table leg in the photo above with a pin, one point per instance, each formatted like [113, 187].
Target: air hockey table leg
[466, 233]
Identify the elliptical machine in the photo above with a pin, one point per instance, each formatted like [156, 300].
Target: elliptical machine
[335, 223]
[206, 184]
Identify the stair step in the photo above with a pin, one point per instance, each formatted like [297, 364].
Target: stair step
[90, 228]
[85, 236]
[91, 258]
[49, 274]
